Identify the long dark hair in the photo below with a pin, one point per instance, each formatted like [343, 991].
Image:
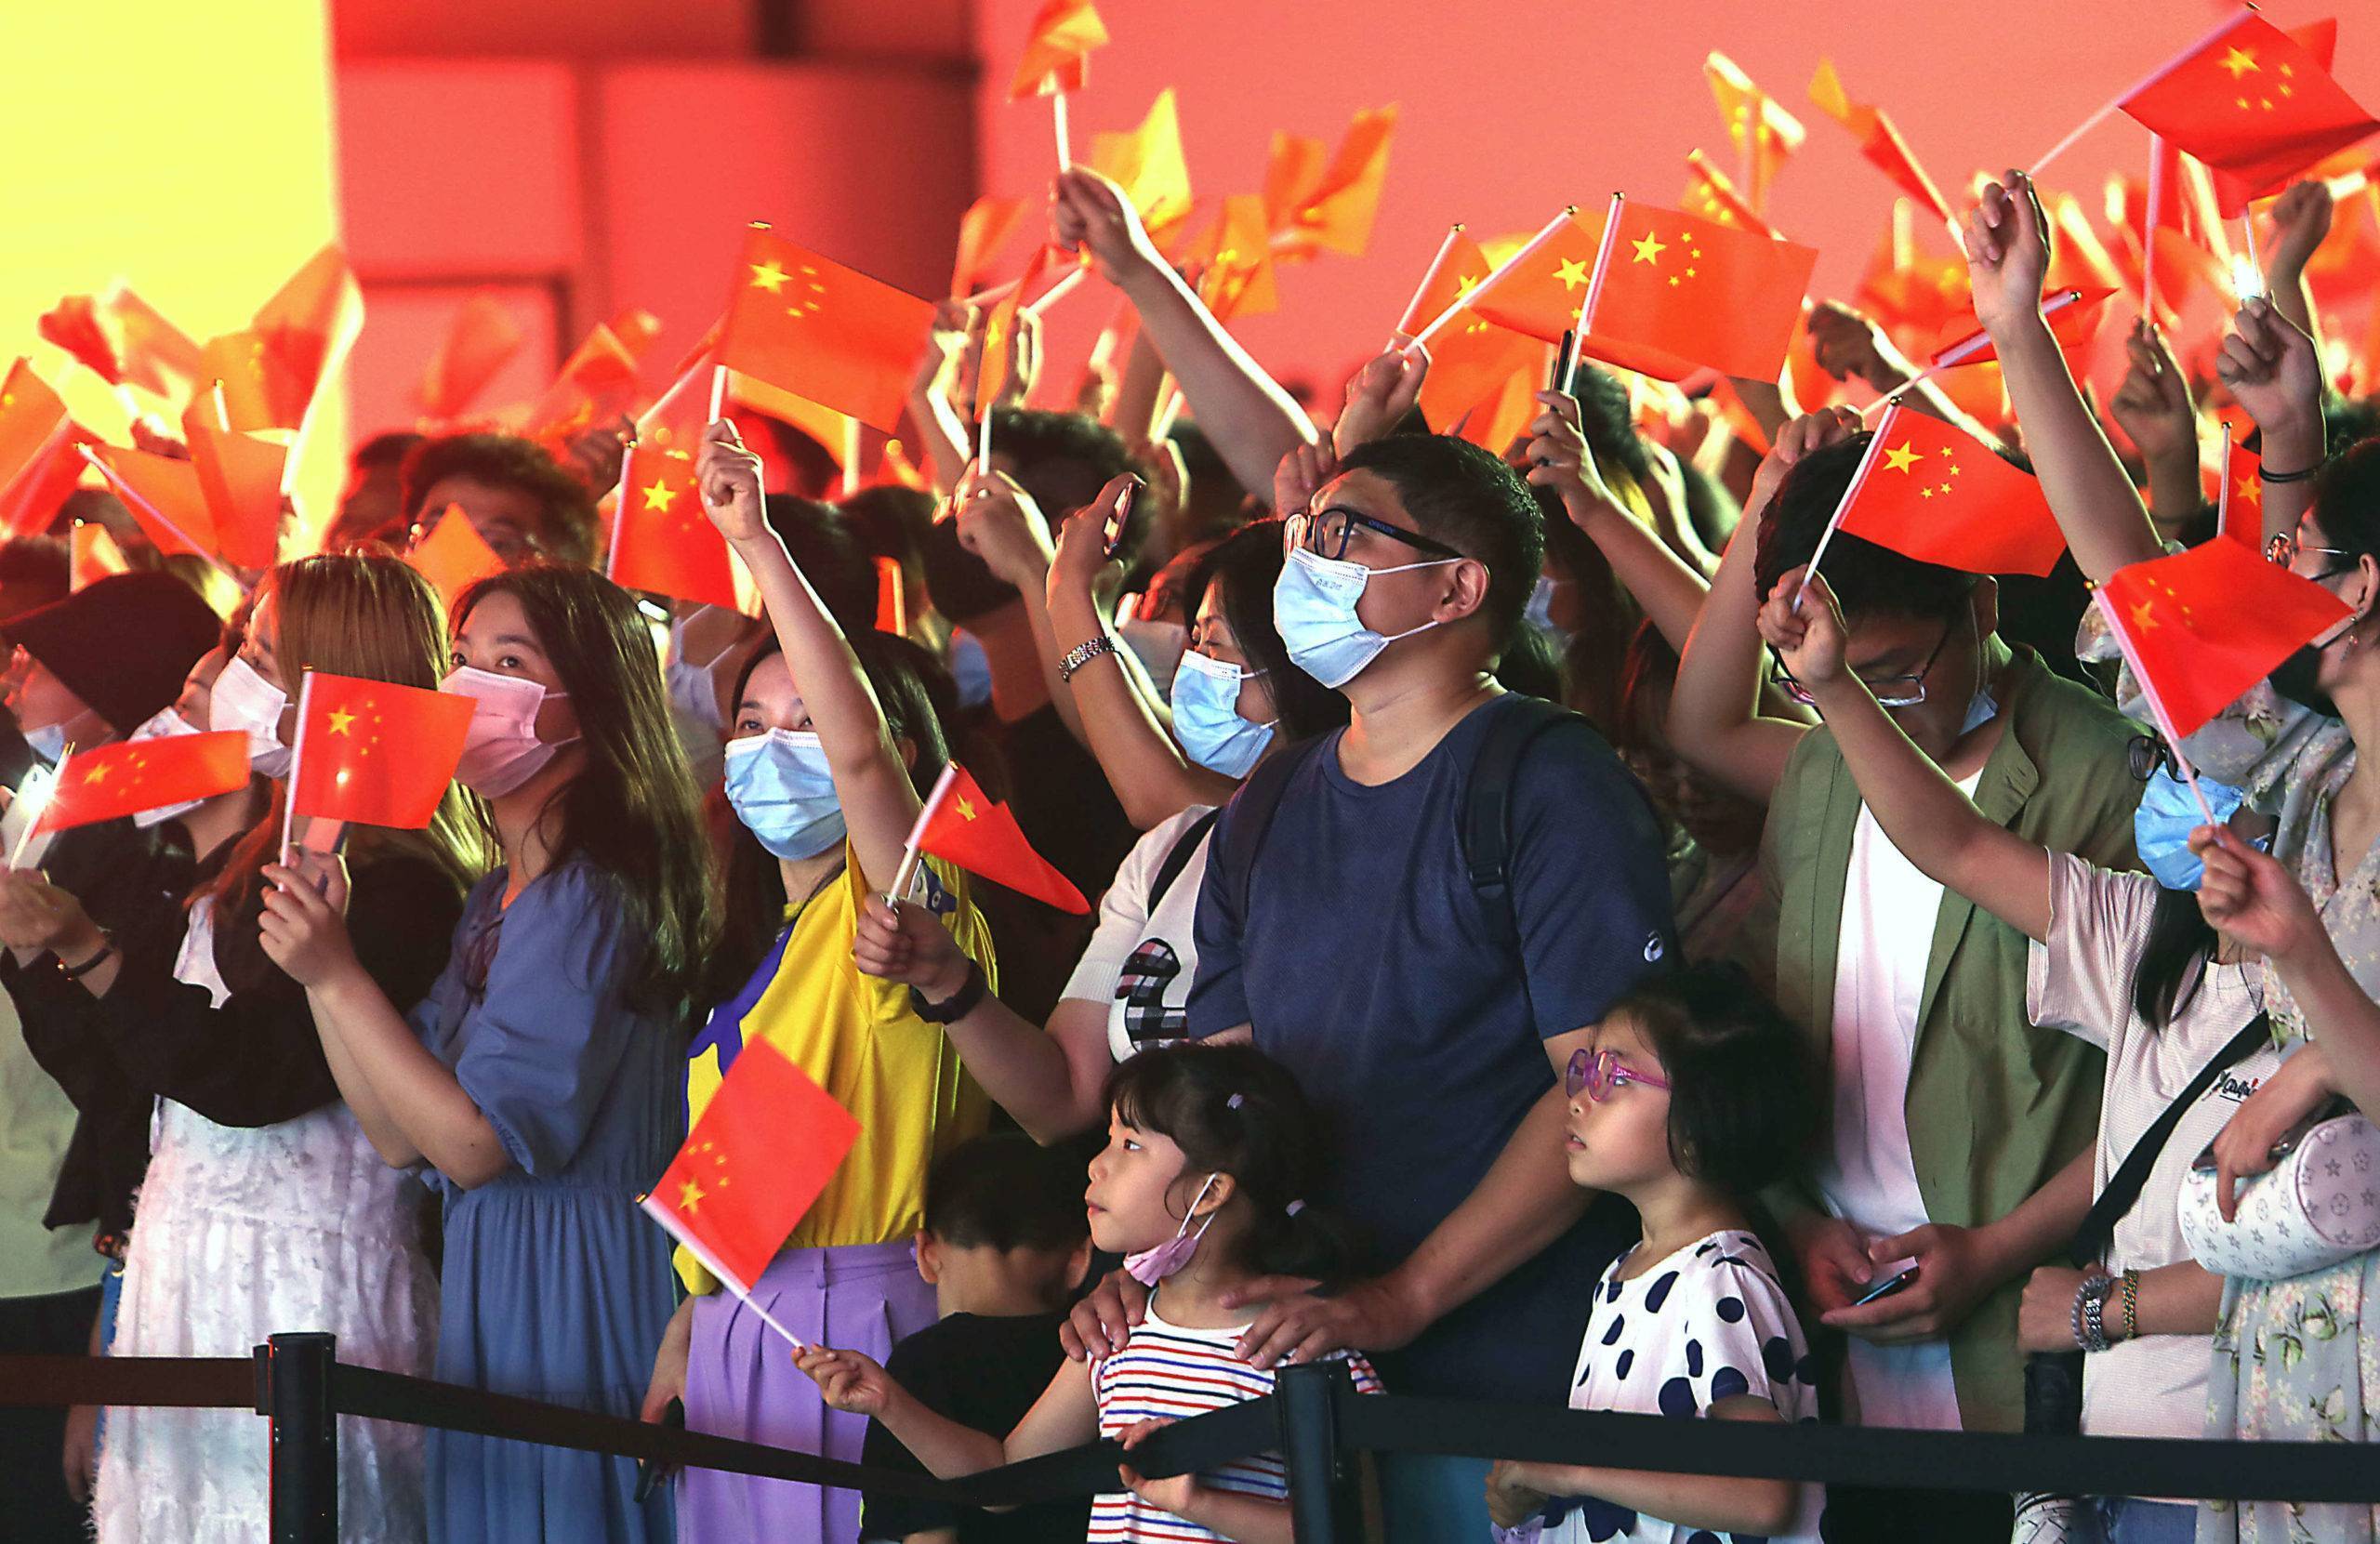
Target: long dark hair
[634, 811]
[754, 898]
[1247, 562]
[1234, 1110]
[2173, 958]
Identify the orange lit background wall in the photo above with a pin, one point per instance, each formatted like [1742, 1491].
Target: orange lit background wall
[583, 155]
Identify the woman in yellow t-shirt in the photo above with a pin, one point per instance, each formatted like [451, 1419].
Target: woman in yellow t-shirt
[830, 739]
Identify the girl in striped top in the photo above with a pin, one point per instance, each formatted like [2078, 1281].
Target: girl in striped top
[1210, 1150]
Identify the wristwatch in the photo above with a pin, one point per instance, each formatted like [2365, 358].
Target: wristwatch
[1083, 653]
[955, 1007]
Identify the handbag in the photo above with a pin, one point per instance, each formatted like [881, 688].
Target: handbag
[2316, 1206]
[2053, 1378]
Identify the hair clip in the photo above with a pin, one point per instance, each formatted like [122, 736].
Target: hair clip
[1295, 1207]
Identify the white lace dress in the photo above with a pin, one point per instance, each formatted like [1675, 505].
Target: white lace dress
[241, 1233]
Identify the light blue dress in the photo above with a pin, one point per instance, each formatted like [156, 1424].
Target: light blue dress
[555, 1286]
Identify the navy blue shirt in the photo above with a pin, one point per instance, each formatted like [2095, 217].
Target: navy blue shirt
[1372, 969]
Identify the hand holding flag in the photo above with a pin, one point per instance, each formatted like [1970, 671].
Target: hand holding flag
[959, 823]
[1931, 491]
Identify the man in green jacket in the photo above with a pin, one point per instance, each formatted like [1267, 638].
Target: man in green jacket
[1960, 1131]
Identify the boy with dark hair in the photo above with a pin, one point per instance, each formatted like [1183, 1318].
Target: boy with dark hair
[1005, 1242]
[522, 502]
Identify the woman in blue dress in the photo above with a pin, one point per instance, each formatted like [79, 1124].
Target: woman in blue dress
[539, 1083]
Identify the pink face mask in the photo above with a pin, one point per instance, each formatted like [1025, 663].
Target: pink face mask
[501, 749]
[1150, 1266]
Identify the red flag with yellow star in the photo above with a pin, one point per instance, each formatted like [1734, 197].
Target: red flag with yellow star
[1678, 290]
[1057, 52]
[595, 385]
[1540, 289]
[827, 333]
[967, 828]
[123, 341]
[1710, 195]
[239, 475]
[1880, 141]
[1471, 358]
[2201, 627]
[164, 495]
[132, 776]
[2073, 316]
[375, 753]
[1754, 116]
[999, 336]
[983, 231]
[453, 556]
[756, 1161]
[1312, 205]
[34, 426]
[2255, 105]
[661, 540]
[1930, 492]
[1150, 165]
[2240, 495]
[307, 329]
[1235, 256]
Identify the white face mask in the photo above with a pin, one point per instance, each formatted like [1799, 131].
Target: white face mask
[501, 749]
[244, 701]
[164, 725]
[1314, 605]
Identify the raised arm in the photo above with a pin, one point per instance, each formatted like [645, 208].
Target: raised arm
[939, 425]
[2301, 219]
[1850, 345]
[1933, 825]
[2273, 372]
[1715, 720]
[1669, 591]
[2154, 408]
[871, 785]
[1251, 422]
[2008, 247]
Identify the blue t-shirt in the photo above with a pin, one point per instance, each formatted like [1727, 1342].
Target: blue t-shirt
[1372, 969]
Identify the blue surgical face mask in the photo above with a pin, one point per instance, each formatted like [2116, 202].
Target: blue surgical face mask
[1541, 607]
[48, 741]
[1206, 715]
[1314, 605]
[781, 790]
[1981, 710]
[2162, 827]
[971, 668]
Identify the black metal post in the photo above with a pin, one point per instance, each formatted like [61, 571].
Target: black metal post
[1324, 1505]
[295, 1390]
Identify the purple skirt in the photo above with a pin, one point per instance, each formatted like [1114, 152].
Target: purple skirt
[741, 1382]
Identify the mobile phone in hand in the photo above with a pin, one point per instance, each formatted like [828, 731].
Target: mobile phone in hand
[1877, 1290]
[650, 1473]
[1119, 519]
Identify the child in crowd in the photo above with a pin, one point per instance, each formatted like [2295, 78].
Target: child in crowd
[1695, 1095]
[1004, 1244]
[1211, 1151]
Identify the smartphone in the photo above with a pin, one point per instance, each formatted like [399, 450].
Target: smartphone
[650, 1473]
[1877, 1290]
[1119, 518]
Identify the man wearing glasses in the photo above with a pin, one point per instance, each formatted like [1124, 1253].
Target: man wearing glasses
[1429, 1021]
[1950, 1108]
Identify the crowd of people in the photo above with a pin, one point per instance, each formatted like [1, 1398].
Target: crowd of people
[1552, 946]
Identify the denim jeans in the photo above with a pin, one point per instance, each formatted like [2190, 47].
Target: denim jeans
[2127, 1520]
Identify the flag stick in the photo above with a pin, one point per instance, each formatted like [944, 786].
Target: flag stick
[1055, 292]
[1834, 521]
[297, 761]
[620, 505]
[906, 874]
[1058, 127]
[2096, 119]
[1168, 414]
[850, 457]
[718, 393]
[1962, 350]
[984, 441]
[125, 399]
[39, 786]
[2156, 704]
[2249, 276]
[123, 491]
[223, 413]
[1536, 243]
[1405, 323]
[2157, 193]
[2223, 483]
[710, 1262]
[1603, 267]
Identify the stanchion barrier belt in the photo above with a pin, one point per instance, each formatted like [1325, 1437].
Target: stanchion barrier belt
[1837, 1455]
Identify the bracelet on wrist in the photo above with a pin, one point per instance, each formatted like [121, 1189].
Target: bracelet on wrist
[77, 973]
[2266, 474]
[960, 1003]
[2131, 1289]
[2092, 1300]
[1083, 653]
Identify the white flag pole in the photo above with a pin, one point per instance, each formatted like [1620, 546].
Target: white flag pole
[710, 1262]
[1851, 492]
[1536, 243]
[906, 874]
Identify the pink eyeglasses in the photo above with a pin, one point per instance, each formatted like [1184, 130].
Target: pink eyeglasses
[1600, 1072]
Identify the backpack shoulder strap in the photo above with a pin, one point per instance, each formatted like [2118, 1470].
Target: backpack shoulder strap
[1177, 857]
[1488, 806]
[1251, 816]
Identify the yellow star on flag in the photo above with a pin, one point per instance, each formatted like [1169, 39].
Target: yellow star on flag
[966, 810]
[1649, 248]
[690, 1196]
[341, 719]
[2250, 490]
[2144, 615]
[659, 496]
[1902, 458]
[1572, 273]
[97, 774]
[2240, 61]
[768, 276]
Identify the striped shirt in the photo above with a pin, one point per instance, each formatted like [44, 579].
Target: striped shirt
[1168, 1371]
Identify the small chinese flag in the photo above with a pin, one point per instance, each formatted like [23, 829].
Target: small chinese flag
[828, 334]
[1471, 358]
[966, 827]
[481, 340]
[123, 341]
[239, 475]
[253, 381]
[1752, 115]
[2201, 627]
[1057, 52]
[2253, 103]
[34, 426]
[453, 556]
[755, 1162]
[1904, 289]
[662, 542]
[1680, 289]
[1710, 195]
[1880, 141]
[2240, 495]
[999, 336]
[636, 330]
[597, 385]
[1540, 291]
[94, 555]
[133, 775]
[375, 753]
[1933, 492]
[1311, 205]
[1149, 165]
[164, 496]
[1507, 410]
[1236, 256]
[983, 231]
[306, 330]
[2073, 316]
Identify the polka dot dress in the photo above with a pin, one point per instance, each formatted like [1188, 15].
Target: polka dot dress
[1707, 1324]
